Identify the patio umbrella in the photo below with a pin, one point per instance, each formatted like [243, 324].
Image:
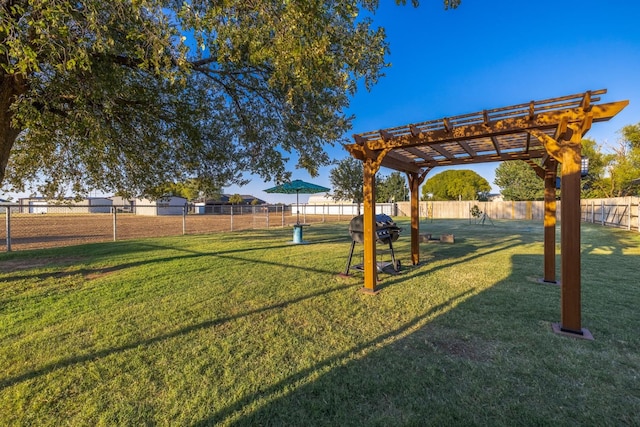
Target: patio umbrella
[297, 186]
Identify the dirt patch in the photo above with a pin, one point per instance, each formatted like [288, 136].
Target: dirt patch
[465, 349]
[33, 231]
[451, 343]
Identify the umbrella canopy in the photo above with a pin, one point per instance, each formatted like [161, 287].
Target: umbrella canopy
[297, 186]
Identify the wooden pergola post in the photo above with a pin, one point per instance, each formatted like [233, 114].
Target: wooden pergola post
[371, 166]
[369, 220]
[550, 173]
[570, 299]
[566, 148]
[415, 180]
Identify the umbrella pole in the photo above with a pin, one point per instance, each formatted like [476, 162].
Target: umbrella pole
[298, 206]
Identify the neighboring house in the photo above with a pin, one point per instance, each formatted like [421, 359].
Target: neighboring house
[223, 206]
[33, 205]
[246, 200]
[40, 205]
[122, 204]
[3, 206]
[326, 199]
[164, 206]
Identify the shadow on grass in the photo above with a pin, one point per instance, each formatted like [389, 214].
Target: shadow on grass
[7, 382]
[488, 359]
[459, 255]
[339, 359]
[62, 261]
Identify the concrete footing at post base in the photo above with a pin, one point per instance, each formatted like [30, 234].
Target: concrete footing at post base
[369, 291]
[583, 334]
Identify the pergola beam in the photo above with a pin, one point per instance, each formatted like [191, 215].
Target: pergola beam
[541, 121]
[440, 149]
[419, 153]
[532, 154]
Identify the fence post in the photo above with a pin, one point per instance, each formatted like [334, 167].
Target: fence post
[184, 219]
[231, 217]
[282, 215]
[629, 224]
[8, 217]
[115, 234]
[268, 217]
[602, 212]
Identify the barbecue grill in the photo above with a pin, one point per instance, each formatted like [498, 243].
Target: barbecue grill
[386, 232]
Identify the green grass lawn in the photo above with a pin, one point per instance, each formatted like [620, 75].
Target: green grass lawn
[246, 329]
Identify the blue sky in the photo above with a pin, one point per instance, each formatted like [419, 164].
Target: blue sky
[489, 54]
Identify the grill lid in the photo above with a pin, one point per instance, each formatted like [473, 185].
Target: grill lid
[386, 228]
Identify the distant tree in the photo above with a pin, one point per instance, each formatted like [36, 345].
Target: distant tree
[347, 179]
[236, 199]
[456, 185]
[255, 202]
[191, 189]
[391, 188]
[625, 166]
[596, 183]
[518, 181]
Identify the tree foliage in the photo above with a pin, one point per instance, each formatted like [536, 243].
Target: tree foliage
[609, 174]
[236, 199]
[347, 180]
[391, 188]
[456, 185]
[518, 181]
[191, 189]
[624, 167]
[111, 95]
[596, 183]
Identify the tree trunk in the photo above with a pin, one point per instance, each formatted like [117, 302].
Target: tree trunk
[11, 86]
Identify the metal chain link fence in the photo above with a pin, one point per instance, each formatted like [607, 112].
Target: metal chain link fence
[50, 225]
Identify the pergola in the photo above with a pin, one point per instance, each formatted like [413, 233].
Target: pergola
[550, 130]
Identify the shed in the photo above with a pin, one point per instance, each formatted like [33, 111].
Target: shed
[40, 205]
[171, 205]
[92, 205]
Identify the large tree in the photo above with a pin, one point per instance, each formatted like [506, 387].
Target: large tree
[624, 168]
[456, 185]
[596, 183]
[391, 188]
[518, 181]
[347, 180]
[121, 95]
[191, 189]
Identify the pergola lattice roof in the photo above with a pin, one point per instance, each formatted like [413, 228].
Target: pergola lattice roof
[486, 136]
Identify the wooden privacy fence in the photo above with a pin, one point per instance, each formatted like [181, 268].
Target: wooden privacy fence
[527, 210]
[620, 212]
